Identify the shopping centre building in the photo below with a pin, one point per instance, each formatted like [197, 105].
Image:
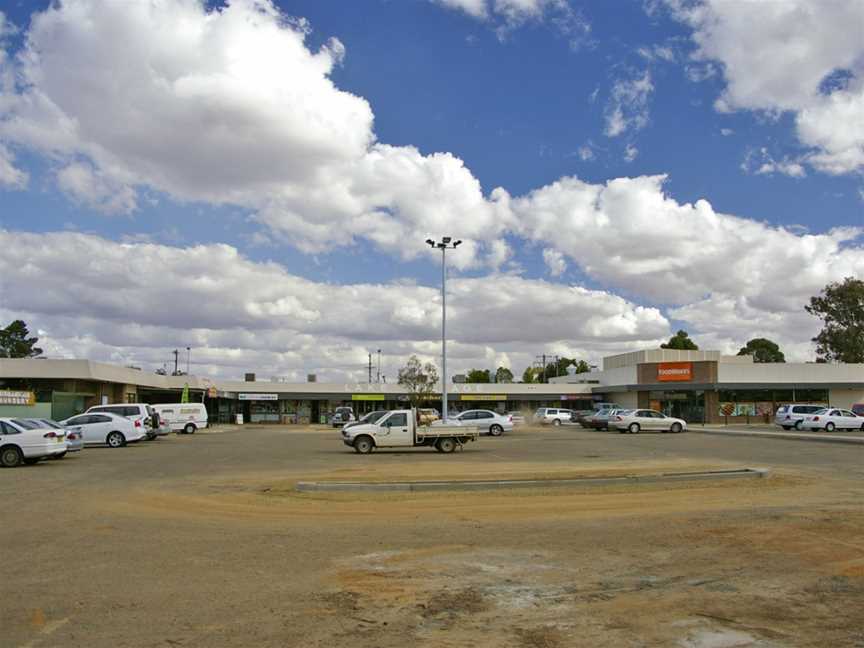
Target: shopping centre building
[699, 386]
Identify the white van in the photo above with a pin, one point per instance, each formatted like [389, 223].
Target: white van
[183, 417]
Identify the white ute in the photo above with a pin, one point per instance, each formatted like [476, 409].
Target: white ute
[399, 429]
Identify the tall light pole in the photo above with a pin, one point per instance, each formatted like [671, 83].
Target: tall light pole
[188, 359]
[444, 244]
[379, 366]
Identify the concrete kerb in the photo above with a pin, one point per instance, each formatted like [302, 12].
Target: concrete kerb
[476, 485]
[793, 436]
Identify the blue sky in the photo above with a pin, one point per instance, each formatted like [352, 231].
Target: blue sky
[520, 95]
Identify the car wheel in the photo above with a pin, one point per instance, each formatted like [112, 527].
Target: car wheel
[829, 426]
[446, 445]
[496, 430]
[115, 440]
[189, 429]
[676, 428]
[59, 456]
[798, 424]
[10, 457]
[556, 422]
[363, 445]
[633, 428]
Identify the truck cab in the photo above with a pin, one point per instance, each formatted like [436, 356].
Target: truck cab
[400, 429]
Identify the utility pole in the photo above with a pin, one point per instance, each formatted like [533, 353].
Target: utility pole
[542, 359]
[379, 367]
[176, 356]
[370, 367]
[188, 359]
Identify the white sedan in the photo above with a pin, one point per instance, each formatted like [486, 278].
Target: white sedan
[18, 444]
[104, 427]
[830, 419]
[487, 421]
[634, 421]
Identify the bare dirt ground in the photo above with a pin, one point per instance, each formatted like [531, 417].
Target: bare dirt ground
[199, 542]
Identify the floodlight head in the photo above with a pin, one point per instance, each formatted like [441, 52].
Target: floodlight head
[430, 242]
[457, 244]
[446, 240]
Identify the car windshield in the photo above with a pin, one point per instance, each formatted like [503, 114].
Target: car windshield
[373, 417]
[27, 425]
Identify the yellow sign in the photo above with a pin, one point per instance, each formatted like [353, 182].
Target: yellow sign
[483, 397]
[8, 397]
[367, 397]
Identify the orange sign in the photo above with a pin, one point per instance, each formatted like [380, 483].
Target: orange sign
[675, 371]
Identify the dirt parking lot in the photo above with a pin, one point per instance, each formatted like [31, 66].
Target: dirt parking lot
[203, 541]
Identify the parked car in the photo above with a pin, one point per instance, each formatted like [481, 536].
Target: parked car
[22, 444]
[104, 427]
[74, 442]
[599, 420]
[428, 416]
[161, 426]
[634, 421]
[789, 416]
[552, 416]
[341, 416]
[371, 417]
[182, 417]
[580, 417]
[830, 419]
[141, 415]
[518, 418]
[487, 421]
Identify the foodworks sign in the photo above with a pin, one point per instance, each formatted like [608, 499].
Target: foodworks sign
[675, 371]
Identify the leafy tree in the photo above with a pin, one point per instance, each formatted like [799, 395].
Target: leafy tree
[478, 376]
[503, 375]
[420, 380]
[14, 342]
[681, 340]
[840, 306]
[763, 350]
[532, 375]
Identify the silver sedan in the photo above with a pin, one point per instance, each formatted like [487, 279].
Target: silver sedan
[634, 421]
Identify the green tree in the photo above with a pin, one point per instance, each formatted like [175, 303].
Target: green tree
[503, 375]
[420, 380]
[840, 306]
[478, 376]
[14, 342]
[681, 340]
[763, 350]
[532, 375]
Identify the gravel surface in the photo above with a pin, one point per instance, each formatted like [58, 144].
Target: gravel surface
[203, 541]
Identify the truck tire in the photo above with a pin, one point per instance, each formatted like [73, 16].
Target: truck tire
[556, 422]
[446, 444]
[363, 444]
[798, 424]
[189, 429]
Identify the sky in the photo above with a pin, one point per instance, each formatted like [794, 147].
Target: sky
[255, 179]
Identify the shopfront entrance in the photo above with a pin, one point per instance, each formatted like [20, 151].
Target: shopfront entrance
[687, 405]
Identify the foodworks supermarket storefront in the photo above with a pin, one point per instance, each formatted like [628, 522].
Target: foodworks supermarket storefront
[705, 386]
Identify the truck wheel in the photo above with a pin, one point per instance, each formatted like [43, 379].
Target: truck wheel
[446, 445]
[190, 428]
[798, 424]
[496, 430]
[363, 445]
[556, 422]
[634, 428]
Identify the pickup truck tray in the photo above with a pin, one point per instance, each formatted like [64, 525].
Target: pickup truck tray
[437, 431]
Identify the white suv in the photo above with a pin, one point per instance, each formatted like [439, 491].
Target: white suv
[140, 414]
[552, 416]
[789, 416]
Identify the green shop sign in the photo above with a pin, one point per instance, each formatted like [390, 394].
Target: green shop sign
[367, 397]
